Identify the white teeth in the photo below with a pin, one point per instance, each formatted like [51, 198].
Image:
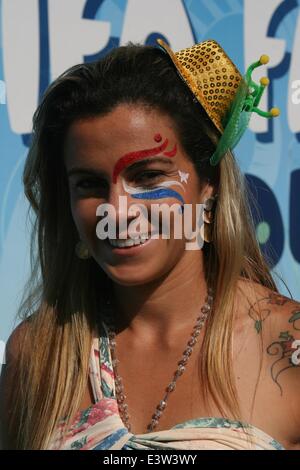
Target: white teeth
[130, 242]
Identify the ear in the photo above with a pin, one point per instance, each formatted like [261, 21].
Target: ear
[208, 190]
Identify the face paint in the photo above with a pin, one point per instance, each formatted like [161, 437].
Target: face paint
[172, 153]
[155, 193]
[160, 191]
[131, 157]
[183, 176]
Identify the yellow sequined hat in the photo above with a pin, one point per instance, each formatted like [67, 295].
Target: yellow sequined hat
[227, 97]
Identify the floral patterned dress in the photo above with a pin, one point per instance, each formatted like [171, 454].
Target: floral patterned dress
[100, 427]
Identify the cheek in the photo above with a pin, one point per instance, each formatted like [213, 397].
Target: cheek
[84, 216]
[193, 197]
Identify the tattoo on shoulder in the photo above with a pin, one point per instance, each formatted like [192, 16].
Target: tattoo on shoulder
[295, 317]
[287, 351]
[259, 314]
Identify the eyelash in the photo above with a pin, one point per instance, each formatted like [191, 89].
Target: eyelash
[144, 176]
[79, 183]
[157, 174]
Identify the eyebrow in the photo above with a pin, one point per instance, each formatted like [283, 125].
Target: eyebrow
[133, 166]
[147, 161]
[137, 155]
[84, 170]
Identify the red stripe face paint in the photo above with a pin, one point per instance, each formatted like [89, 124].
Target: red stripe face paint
[131, 157]
[172, 153]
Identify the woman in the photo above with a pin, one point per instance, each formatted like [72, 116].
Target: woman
[106, 325]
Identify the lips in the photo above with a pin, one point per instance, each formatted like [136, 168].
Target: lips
[128, 250]
[138, 237]
[124, 243]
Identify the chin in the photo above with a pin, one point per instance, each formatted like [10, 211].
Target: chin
[132, 277]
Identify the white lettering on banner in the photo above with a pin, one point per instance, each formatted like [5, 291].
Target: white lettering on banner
[296, 94]
[20, 32]
[144, 17]
[294, 111]
[2, 92]
[258, 43]
[71, 36]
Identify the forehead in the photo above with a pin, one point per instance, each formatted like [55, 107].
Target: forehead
[105, 139]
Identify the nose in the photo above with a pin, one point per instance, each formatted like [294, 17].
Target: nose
[121, 201]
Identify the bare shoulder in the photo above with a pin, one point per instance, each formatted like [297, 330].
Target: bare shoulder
[275, 320]
[13, 345]
[15, 340]
[8, 371]
[269, 310]
[12, 352]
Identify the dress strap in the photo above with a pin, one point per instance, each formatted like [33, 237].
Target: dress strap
[101, 371]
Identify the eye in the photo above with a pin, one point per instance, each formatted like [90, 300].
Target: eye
[88, 186]
[86, 183]
[149, 176]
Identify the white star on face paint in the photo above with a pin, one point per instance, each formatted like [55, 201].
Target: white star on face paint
[183, 176]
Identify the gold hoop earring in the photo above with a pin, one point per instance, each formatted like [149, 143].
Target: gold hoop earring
[209, 203]
[82, 250]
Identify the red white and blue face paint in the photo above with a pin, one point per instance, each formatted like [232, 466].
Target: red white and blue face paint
[163, 190]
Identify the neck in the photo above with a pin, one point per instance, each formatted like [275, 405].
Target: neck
[166, 306]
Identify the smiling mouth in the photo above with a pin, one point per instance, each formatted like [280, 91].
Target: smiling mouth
[127, 247]
[129, 242]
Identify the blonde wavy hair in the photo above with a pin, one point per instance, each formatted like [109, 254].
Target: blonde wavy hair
[60, 307]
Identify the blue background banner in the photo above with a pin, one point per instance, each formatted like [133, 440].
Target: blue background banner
[39, 39]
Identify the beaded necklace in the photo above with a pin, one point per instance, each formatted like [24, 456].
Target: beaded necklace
[120, 395]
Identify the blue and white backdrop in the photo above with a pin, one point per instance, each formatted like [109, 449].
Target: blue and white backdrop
[41, 38]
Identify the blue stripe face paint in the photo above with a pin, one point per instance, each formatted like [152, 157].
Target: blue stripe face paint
[162, 190]
[160, 193]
